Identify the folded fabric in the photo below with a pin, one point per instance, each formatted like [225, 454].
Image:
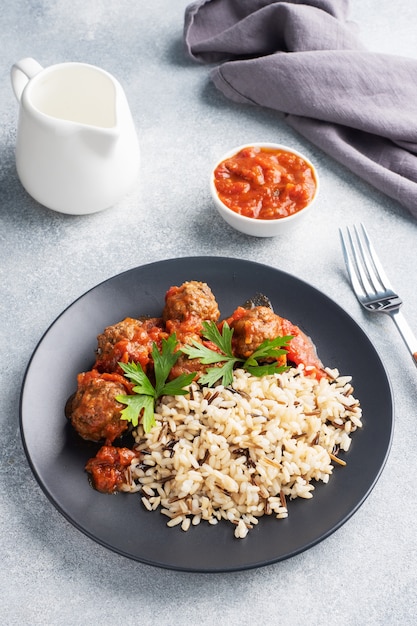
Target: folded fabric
[303, 58]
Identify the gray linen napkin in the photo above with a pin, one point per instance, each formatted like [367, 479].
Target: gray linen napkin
[303, 58]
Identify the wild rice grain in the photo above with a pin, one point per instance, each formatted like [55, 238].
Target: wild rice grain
[147, 504]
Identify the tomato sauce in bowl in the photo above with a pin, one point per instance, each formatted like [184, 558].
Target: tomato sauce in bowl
[260, 189]
[265, 183]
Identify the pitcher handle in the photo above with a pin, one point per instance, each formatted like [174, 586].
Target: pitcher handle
[21, 73]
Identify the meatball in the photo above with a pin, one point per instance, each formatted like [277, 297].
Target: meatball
[191, 299]
[251, 327]
[128, 340]
[94, 411]
[186, 307]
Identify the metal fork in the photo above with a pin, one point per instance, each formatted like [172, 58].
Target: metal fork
[370, 283]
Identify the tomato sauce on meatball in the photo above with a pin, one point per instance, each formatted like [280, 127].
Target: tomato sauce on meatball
[128, 340]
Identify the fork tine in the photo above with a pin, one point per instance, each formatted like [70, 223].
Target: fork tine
[352, 270]
[377, 266]
[364, 268]
[363, 263]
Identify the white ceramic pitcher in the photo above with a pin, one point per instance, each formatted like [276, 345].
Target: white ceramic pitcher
[77, 150]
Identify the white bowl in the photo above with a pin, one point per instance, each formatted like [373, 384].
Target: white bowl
[255, 226]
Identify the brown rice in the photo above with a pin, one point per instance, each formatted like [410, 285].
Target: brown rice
[241, 452]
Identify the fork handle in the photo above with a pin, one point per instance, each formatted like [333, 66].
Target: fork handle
[405, 332]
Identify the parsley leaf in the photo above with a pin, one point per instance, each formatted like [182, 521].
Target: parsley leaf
[163, 362]
[142, 404]
[213, 374]
[222, 341]
[136, 374]
[175, 387]
[138, 405]
[269, 349]
[202, 352]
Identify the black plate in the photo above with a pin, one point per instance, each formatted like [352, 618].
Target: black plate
[57, 455]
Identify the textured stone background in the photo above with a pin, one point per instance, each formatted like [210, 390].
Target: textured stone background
[50, 573]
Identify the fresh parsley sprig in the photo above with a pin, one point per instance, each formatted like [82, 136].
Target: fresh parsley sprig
[142, 403]
[269, 349]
